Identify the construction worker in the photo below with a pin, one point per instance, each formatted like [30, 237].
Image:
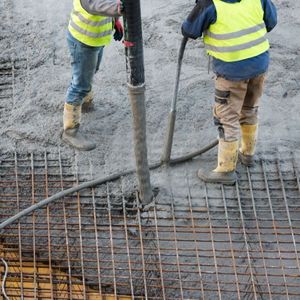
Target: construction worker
[234, 34]
[90, 29]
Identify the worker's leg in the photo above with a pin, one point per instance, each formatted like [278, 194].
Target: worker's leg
[84, 60]
[87, 104]
[249, 120]
[229, 98]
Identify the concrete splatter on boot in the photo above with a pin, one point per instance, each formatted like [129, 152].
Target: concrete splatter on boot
[248, 143]
[225, 171]
[71, 134]
[88, 103]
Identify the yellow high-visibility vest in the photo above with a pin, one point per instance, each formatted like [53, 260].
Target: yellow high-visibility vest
[89, 29]
[239, 32]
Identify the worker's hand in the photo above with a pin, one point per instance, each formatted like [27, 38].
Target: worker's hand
[118, 34]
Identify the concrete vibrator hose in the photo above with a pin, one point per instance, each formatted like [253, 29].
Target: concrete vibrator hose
[166, 156]
[96, 182]
[172, 114]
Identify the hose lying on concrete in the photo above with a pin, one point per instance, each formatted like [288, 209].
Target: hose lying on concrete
[96, 182]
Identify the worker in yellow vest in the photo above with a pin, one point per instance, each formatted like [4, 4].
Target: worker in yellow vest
[92, 26]
[234, 34]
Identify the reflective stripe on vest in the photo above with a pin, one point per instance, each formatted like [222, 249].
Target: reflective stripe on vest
[89, 29]
[239, 32]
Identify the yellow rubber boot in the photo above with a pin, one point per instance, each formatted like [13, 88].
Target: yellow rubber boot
[71, 133]
[248, 143]
[225, 171]
[88, 103]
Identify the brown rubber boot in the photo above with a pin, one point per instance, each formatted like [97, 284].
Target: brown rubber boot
[71, 134]
[225, 171]
[88, 103]
[248, 143]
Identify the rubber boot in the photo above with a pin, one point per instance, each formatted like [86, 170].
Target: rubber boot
[225, 171]
[248, 143]
[88, 103]
[71, 134]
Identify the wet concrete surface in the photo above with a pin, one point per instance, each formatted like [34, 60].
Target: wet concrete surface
[34, 76]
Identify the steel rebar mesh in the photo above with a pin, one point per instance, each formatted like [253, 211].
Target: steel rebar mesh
[198, 242]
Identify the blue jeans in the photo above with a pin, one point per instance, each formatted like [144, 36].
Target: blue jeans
[85, 62]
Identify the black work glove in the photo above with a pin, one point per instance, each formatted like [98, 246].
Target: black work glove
[119, 31]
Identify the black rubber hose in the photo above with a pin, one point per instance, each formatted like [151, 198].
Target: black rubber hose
[62, 194]
[194, 154]
[134, 40]
[96, 182]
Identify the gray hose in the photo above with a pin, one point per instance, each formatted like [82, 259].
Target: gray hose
[96, 182]
[62, 194]
[194, 154]
[137, 100]
[172, 114]
[3, 284]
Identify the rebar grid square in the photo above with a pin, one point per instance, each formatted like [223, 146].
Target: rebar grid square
[198, 242]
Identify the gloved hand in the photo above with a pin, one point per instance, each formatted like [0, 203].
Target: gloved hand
[118, 34]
